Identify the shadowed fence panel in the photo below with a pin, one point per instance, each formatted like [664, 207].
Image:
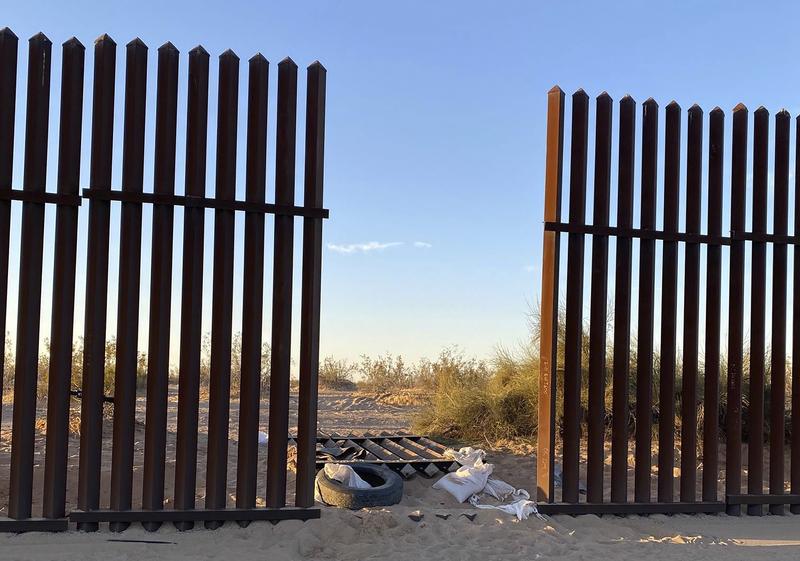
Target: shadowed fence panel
[123, 508]
[657, 368]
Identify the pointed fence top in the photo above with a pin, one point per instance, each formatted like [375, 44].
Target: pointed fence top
[168, 46]
[761, 111]
[695, 108]
[717, 111]
[740, 107]
[604, 95]
[555, 89]
[136, 43]
[317, 65]
[258, 57]
[650, 102]
[229, 54]
[287, 62]
[104, 39]
[73, 43]
[782, 114]
[580, 93]
[673, 105]
[626, 99]
[40, 38]
[198, 51]
[6, 33]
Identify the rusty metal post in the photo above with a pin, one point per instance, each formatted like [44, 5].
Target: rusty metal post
[94, 339]
[30, 279]
[554, 161]
[8, 95]
[733, 428]
[573, 338]
[129, 276]
[691, 335]
[622, 303]
[155, 439]
[192, 286]
[716, 153]
[778, 352]
[758, 309]
[63, 307]
[312, 276]
[222, 302]
[253, 284]
[282, 286]
[669, 305]
[598, 319]
[644, 353]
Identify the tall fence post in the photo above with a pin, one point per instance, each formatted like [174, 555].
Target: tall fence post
[598, 319]
[155, 439]
[312, 276]
[622, 305]
[716, 148]
[779, 285]
[222, 300]
[192, 286]
[573, 327]
[130, 257]
[8, 97]
[253, 284]
[669, 305]
[691, 335]
[30, 279]
[548, 351]
[282, 286]
[644, 353]
[63, 307]
[94, 339]
[733, 428]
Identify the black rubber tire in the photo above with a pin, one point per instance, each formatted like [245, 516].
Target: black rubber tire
[387, 488]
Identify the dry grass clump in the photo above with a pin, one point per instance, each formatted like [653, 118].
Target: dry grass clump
[471, 400]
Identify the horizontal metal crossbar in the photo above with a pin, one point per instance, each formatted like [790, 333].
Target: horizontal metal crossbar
[195, 515]
[636, 233]
[631, 508]
[41, 197]
[203, 202]
[763, 499]
[686, 237]
[9, 525]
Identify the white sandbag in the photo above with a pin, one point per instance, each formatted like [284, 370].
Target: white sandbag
[473, 478]
[466, 481]
[467, 456]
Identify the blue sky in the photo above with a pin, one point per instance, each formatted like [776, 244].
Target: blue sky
[435, 136]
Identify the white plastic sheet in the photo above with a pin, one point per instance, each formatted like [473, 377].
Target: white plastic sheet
[473, 478]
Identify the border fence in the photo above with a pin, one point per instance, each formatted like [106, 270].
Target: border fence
[609, 492]
[67, 200]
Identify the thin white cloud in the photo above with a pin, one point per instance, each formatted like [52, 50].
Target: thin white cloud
[362, 247]
[426, 245]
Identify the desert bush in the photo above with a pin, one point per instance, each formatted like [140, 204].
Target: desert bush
[336, 374]
[384, 373]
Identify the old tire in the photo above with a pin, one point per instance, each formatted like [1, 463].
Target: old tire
[387, 488]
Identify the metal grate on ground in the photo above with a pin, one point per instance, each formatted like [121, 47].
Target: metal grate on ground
[406, 454]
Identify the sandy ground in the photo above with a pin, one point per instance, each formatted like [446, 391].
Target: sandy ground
[388, 533]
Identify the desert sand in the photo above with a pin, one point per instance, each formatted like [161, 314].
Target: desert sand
[444, 532]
